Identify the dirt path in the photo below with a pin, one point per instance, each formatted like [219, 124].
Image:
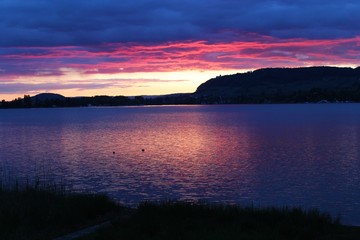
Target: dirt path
[126, 213]
[84, 231]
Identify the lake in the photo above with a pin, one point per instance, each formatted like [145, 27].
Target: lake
[304, 155]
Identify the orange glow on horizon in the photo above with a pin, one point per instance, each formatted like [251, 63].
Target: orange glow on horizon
[135, 69]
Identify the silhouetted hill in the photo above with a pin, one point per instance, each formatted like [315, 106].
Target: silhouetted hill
[284, 85]
[48, 96]
[269, 85]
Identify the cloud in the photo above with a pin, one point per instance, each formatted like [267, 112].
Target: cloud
[78, 23]
[92, 84]
[121, 58]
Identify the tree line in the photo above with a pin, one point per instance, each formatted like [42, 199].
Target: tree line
[314, 95]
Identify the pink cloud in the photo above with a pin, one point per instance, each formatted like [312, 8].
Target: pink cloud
[179, 56]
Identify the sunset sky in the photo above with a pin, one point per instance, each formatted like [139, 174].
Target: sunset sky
[148, 47]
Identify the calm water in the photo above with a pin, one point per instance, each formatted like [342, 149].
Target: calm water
[296, 155]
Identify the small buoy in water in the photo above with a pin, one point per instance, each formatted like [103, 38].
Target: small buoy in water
[113, 152]
[143, 150]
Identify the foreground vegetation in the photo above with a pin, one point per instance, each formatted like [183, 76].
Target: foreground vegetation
[49, 211]
[179, 220]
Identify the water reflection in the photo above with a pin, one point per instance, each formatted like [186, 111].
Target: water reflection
[305, 155]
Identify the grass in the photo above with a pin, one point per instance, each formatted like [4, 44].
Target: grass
[180, 220]
[46, 211]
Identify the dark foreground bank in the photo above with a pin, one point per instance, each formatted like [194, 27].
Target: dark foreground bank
[49, 211]
[179, 220]
[33, 213]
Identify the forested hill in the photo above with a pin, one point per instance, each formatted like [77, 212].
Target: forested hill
[310, 84]
[269, 85]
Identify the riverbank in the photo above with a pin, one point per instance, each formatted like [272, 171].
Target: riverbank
[179, 220]
[33, 213]
[49, 211]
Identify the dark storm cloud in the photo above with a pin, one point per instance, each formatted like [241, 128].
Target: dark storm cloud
[80, 22]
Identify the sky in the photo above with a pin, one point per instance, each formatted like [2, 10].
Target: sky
[150, 47]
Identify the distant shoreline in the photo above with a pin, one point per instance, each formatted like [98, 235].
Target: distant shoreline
[50, 100]
[269, 85]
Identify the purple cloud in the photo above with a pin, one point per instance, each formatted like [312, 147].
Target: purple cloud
[53, 23]
[15, 87]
